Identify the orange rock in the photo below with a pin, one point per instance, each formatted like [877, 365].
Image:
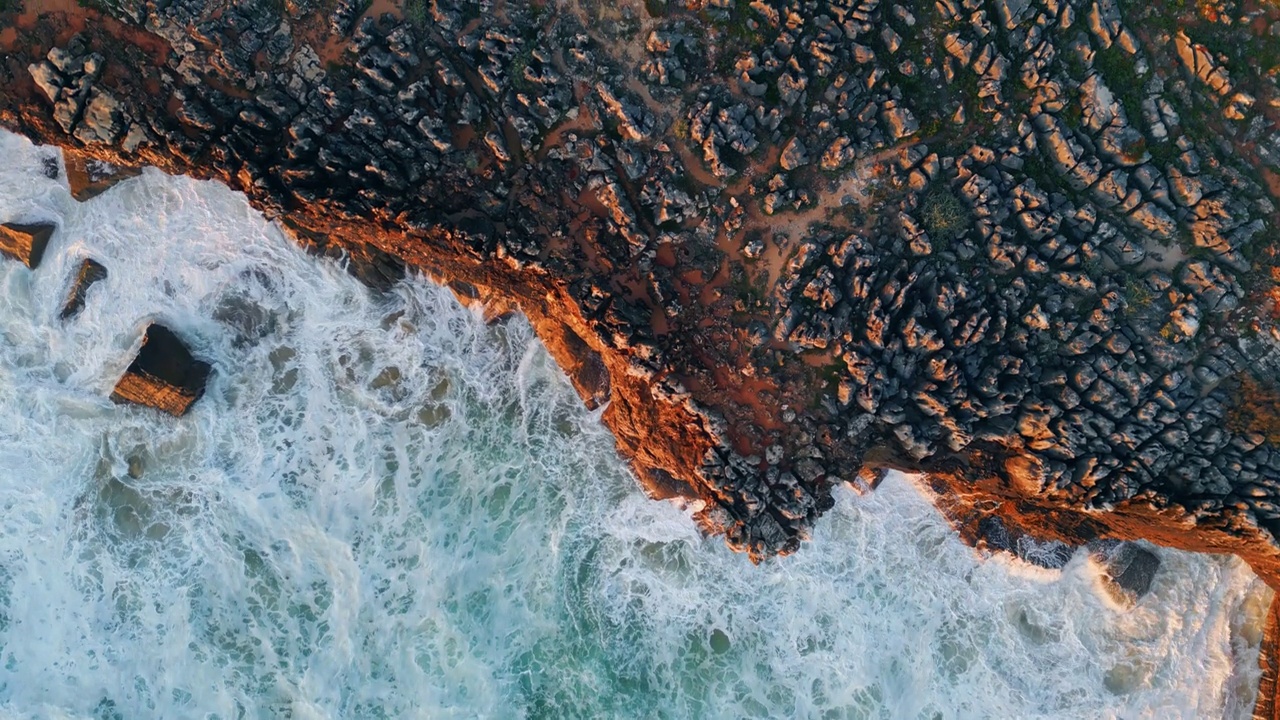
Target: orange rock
[25, 243]
[91, 271]
[164, 375]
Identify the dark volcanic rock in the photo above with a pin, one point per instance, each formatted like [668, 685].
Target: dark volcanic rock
[1128, 568]
[164, 375]
[26, 243]
[1037, 283]
[90, 272]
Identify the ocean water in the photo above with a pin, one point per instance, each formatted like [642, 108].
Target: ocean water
[384, 508]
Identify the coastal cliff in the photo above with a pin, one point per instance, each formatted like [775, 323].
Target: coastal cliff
[1026, 249]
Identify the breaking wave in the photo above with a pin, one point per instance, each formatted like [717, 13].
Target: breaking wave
[385, 508]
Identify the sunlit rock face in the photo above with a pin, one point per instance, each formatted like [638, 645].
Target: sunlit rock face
[1022, 248]
[164, 375]
[90, 273]
[384, 506]
[25, 242]
[1025, 248]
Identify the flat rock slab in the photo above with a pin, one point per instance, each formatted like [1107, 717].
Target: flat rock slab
[89, 178]
[91, 271]
[164, 376]
[26, 243]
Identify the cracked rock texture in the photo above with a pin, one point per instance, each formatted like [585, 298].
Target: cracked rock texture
[1025, 247]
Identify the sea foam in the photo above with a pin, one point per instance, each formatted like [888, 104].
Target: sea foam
[384, 508]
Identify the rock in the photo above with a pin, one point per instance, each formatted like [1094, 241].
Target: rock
[1098, 103]
[1011, 12]
[89, 178]
[47, 79]
[91, 271]
[26, 243]
[101, 122]
[1153, 220]
[958, 47]
[1127, 568]
[892, 40]
[863, 54]
[790, 87]
[1210, 285]
[1049, 554]
[164, 375]
[1197, 59]
[899, 120]
[1186, 190]
[841, 152]
[1185, 319]
[630, 119]
[793, 155]
[344, 17]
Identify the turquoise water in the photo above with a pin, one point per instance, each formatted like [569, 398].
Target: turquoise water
[385, 508]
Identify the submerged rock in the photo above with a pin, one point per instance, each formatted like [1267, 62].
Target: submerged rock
[164, 375]
[26, 243]
[1127, 568]
[247, 321]
[91, 271]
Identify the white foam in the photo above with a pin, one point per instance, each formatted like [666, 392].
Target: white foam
[384, 508]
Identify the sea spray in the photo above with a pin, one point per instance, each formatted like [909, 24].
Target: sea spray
[384, 507]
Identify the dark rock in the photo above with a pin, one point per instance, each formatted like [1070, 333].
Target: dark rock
[91, 271]
[248, 321]
[49, 165]
[1049, 554]
[1128, 569]
[164, 375]
[992, 530]
[662, 485]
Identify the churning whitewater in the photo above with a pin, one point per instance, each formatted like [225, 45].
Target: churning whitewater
[384, 508]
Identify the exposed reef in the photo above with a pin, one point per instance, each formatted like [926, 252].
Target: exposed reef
[1025, 247]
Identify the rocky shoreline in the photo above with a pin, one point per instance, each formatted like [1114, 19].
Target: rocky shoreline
[1027, 249]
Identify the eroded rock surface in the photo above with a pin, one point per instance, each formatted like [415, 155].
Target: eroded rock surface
[1027, 248]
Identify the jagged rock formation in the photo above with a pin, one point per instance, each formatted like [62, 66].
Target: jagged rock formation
[1026, 247]
[164, 375]
[25, 242]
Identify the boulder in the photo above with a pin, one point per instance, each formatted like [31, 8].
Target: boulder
[899, 120]
[164, 375]
[88, 177]
[793, 155]
[26, 243]
[91, 271]
[101, 122]
[1127, 569]
[47, 79]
